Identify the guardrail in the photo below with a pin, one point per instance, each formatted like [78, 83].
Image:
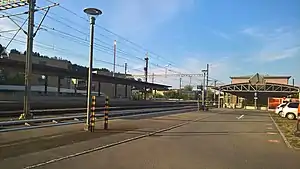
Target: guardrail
[56, 121]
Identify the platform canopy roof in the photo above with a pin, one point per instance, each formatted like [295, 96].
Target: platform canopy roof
[257, 84]
[54, 71]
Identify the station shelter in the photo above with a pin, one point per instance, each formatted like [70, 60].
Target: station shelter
[256, 91]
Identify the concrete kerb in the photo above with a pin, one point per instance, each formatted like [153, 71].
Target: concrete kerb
[282, 135]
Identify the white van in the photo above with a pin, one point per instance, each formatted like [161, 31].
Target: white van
[290, 111]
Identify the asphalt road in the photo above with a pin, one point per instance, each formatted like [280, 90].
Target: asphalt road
[220, 139]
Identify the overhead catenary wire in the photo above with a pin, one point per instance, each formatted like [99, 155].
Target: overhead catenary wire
[106, 47]
[61, 50]
[70, 36]
[115, 34]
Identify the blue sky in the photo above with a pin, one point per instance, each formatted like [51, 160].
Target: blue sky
[236, 37]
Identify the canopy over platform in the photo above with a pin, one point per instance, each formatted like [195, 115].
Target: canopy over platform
[270, 89]
[54, 71]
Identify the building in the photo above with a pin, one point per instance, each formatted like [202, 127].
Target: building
[255, 90]
[37, 79]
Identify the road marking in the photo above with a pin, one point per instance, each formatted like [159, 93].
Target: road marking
[240, 117]
[274, 141]
[270, 128]
[269, 124]
[115, 143]
[271, 133]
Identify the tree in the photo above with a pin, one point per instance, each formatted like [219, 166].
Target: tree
[1, 48]
[188, 88]
[2, 51]
[15, 51]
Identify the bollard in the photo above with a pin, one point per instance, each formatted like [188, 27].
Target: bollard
[22, 116]
[106, 114]
[93, 118]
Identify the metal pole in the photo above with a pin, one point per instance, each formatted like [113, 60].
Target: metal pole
[115, 50]
[28, 65]
[206, 94]
[203, 91]
[215, 85]
[146, 74]
[190, 81]
[219, 99]
[179, 91]
[152, 77]
[114, 68]
[255, 100]
[126, 87]
[198, 101]
[207, 69]
[89, 99]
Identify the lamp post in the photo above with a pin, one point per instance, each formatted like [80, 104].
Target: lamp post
[92, 13]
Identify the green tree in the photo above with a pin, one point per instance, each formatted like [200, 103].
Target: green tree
[1, 48]
[188, 88]
[15, 51]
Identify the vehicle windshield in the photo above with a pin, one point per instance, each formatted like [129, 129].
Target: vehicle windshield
[282, 105]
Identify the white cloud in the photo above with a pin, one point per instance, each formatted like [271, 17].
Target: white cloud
[276, 44]
[283, 54]
[139, 19]
[222, 34]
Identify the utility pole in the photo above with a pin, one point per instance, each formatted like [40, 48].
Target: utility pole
[28, 65]
[190, 80]
[215, 85]
[146, 74]
[115, 52]
[125, 72]
[152, 77]
[114, 67]
[203, 91]
[207, 69]
[179, 91]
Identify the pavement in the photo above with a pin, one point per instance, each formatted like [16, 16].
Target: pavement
[218, 139]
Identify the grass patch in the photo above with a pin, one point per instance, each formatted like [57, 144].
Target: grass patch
[287, 127]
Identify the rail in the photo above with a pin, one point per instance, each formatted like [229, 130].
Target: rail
[56, 121]
[77, 110]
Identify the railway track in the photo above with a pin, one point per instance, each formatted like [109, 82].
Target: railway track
[14, 125]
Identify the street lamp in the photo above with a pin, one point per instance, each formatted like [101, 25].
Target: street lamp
[92, 13]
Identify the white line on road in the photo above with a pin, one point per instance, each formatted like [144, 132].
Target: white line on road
[240, 117]
[271, 133]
